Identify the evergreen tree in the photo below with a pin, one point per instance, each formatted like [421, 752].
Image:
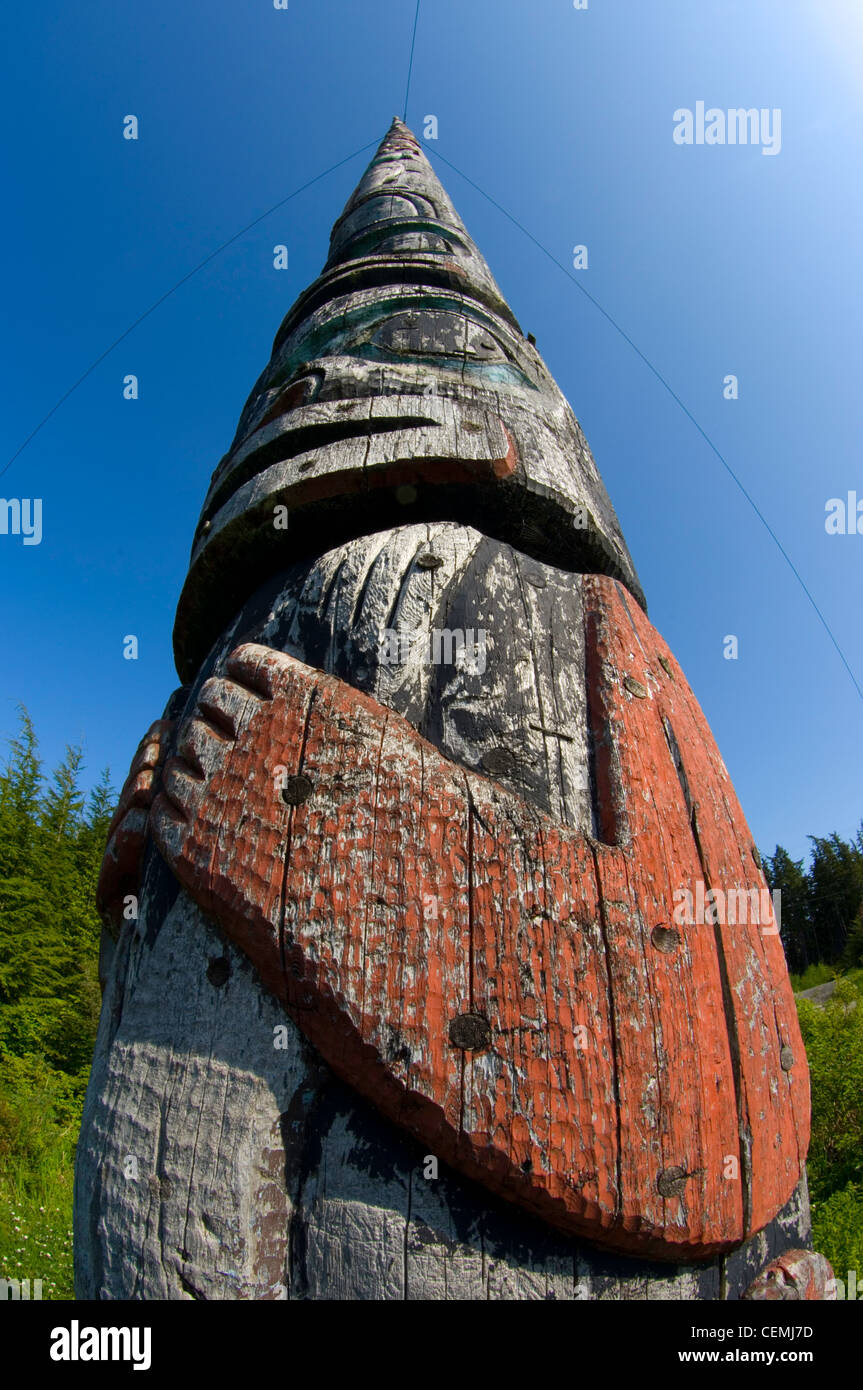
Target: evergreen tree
[788, 876]
[62, 805]
[20, 789]
[852, 957]
[50, 850]
[835, 892]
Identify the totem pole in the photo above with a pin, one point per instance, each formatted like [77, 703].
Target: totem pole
[404, 994]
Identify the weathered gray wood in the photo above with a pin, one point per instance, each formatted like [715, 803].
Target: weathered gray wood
[394, 330]
[262, 1176]
[437, 483]
[528, 702]
[273, 1177]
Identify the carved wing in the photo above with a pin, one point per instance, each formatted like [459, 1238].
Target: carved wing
[516, 995]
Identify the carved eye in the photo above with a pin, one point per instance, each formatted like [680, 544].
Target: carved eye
[437, 333]
[412, 241]
[301, 391]
[382, 209]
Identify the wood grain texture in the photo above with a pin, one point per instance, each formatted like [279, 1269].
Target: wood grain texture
[328, 899]
[120, 874]
[259, 1175]
[401, 367]
[332, 613]
[458, 873]
[529, 703]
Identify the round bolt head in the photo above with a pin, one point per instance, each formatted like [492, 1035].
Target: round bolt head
[665, 939]
[498, 762]
[219, 971]
[671, 1182]
[296, 790]
[786, 1058]
[470, 1032]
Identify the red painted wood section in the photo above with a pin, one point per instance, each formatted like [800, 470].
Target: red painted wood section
[515, 994]
[120, 874]
[796, 1276]
[761, 1020]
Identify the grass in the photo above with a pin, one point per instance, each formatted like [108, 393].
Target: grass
[40, 1112]
[36, 1241]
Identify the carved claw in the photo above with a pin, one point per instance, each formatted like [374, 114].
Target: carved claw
[796, 1275]
[121, 866]
[227, 774]
[120, 875]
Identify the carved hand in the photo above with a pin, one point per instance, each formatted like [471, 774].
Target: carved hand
[512, 992]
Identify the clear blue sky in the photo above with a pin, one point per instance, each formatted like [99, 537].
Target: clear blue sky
[715, 259]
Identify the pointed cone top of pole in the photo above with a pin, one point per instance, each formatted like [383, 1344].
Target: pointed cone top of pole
[399, 226]
[398, 380]
[402, 187]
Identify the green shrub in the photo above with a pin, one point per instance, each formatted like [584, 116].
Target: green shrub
[837, 1231]
[833, 1035]
[813, 975]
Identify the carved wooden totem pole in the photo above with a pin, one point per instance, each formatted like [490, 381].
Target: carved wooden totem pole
[409, 1008]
